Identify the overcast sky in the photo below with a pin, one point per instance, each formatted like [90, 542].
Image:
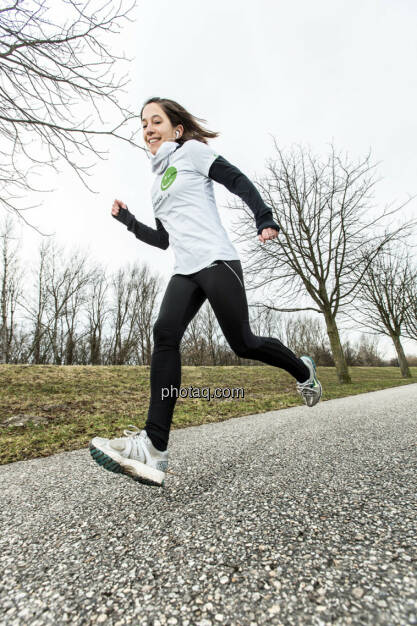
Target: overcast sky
[301, 71]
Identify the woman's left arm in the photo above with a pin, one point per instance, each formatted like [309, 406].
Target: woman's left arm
[235, 181]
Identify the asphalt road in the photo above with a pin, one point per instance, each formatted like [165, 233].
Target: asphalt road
[298, 516]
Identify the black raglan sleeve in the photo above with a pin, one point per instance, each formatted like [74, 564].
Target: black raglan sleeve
[235, 181]
[154, 237]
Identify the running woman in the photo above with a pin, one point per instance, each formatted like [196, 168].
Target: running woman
[207, 266]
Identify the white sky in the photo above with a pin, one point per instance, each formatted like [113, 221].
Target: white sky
[305, 72]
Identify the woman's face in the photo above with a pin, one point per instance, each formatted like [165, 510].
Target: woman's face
[157, 127]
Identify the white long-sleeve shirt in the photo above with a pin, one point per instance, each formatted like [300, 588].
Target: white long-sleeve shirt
[185, 209]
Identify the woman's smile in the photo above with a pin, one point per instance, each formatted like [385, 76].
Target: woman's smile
[155, 120]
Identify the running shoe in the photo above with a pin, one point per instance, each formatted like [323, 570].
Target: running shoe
[311, 390]
[133, 455]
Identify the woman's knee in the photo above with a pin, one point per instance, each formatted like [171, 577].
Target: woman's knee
[245, 343]
[166, 334]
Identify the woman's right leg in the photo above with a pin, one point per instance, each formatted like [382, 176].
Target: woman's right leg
[183, 298]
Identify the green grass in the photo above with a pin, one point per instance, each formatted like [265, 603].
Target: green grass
[80, 402]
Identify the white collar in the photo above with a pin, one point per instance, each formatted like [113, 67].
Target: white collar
[160, 159]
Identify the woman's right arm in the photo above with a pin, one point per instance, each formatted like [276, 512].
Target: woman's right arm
[154, 237]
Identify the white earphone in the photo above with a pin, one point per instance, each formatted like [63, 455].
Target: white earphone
[177, 134]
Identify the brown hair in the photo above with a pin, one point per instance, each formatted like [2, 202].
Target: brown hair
[178, 115]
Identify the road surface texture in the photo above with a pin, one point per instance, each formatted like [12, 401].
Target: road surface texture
[298, 516]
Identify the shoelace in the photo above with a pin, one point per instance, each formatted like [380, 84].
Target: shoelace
[305, 388]
[132, 433]
[139, 434]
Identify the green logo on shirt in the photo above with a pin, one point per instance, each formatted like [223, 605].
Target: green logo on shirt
[168, 178]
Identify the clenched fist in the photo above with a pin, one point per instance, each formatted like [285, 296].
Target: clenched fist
[117, 205]
[267, 233]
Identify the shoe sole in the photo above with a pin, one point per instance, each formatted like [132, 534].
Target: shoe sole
[319, 398]
[133, 469]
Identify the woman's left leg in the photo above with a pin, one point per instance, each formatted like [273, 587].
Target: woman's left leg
[224, 287]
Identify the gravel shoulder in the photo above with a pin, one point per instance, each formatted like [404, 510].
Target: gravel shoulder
[298, 516]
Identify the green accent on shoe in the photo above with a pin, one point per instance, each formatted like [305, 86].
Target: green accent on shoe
[111, 465]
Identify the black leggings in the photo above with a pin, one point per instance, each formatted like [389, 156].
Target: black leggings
[223, 285]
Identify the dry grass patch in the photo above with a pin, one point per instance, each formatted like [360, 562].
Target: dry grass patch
[79, 402]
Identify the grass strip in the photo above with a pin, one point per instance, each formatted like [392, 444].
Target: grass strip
[82, 401]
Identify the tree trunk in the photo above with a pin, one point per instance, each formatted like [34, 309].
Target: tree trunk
[36, 346]
[3, 327]
[337, 350]
[95, 346]
[405, 370]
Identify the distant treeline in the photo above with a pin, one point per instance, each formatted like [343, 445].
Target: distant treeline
[64, 310]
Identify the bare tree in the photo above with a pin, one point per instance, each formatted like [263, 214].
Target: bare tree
[21, 345]
[210, 336]
[203, 342]
[69, 310]
[410, 319]
[60, 285]
[72, 313]
[11, 276]
[148, 287]
[125, 313]
[364, 352]
[323, 209]
[66, 280]
[97, 310]
[36, 306]
[382, 298]
[57, 83]
[367, 352]
[193, 344]
[267, 323]
[305, 335]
